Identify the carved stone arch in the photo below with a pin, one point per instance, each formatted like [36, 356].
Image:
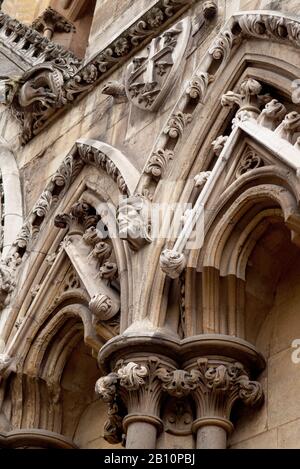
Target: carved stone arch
[243, 219]
[36, 239]
[42, 374]
[11, 198]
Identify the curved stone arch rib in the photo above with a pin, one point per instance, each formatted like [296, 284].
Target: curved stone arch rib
[282, 197]
[85, 152]
[13, 209]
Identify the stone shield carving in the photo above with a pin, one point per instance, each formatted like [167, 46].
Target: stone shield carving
[149, 78]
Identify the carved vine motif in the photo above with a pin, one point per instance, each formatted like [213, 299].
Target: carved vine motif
[158, 163]
[176, 124]
[198, 85]
[250, 160]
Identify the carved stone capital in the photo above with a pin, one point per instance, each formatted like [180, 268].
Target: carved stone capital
[219, 384]
[172, 263]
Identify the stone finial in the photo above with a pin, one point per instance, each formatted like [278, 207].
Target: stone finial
[249, 99]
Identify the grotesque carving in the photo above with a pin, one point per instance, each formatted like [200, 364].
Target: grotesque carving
[289, 126]
[149, 78]
[134, 221]
[172, 263]
[51, 21]
[116, 90]
[272, 114]
[210, 9]
[109, 271]
[37, 91]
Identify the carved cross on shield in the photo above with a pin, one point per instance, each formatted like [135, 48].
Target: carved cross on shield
[149, 78]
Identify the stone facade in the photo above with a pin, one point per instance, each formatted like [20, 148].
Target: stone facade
[150, 224]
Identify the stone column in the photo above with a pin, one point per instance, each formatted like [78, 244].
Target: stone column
[219, 384]
[133, 392]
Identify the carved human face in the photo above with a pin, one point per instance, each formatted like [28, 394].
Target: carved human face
[133, 219]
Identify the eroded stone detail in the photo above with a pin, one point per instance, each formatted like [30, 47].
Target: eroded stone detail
[149, 78]
[158, 163]
[134, 221]
[172, 263]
